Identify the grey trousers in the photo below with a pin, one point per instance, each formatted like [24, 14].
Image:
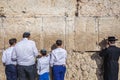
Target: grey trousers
[26, 72]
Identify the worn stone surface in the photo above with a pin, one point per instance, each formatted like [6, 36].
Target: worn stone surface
[2, 69]
[38, 7]
[86, 66]
[109, 27]
[14, 27]
[81, 24]
[53, 29]
[69, 36]
[99, 7]
[85, 33]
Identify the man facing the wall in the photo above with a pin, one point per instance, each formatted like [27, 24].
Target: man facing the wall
[111, 56]
[25, 52]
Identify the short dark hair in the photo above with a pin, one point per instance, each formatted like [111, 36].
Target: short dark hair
[12, 41]
[26, 34]
[54, 46]
[43, 52]
[59, 42]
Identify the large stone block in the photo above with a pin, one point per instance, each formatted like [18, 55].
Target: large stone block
[19, 7]
[109, 27]
[54, 7]
[70, 7]
[69, 36]
[2, 69]
[53, 29]
[49, 41]
[54, 25]
[2, 39]
[86, 33]
[99, 7]
[31, 8]
[1, 35]
[15, 27]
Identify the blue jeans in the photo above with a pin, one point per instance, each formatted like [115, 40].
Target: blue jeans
[44, 76]
[11, 72]
[59, 72]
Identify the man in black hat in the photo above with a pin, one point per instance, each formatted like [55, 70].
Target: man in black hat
[111, 56]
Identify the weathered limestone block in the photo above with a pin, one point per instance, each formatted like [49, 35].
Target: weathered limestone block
[84, 66]
[115, 7]
[53, 29]
[99, 7]
[49, 41]
[15, 27]
[54, 25]
[38, 7]
[2, 69]
[1, 34]
[13, 8]
[85, 34]
[69, 30]
[109, 26]
[2, 39]
[70, 8]
[55, 7]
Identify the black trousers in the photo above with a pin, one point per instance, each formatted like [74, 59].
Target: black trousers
[26, 72]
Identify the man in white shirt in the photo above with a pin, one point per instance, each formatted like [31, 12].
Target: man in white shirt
[43, 65]
[10, 66]
[25, 53]
[58, 61]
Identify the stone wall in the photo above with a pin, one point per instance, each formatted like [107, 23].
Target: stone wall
[81, 24]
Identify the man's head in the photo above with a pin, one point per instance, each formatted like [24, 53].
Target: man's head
[59, 42]
[43, 52]
[111, 40]
[12, 41]
[26, 35]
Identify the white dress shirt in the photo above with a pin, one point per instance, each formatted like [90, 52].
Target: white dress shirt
[58, 57]
[25, 52]
[43, 64]
[6, 57]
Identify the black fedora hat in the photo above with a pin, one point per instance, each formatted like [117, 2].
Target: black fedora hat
[112, 38]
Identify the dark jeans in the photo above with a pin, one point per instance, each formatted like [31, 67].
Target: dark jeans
[26, 72]
[11, 72]
[59, 72]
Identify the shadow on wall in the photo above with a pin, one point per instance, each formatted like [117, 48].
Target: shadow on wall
[99, 63]
[99, 60]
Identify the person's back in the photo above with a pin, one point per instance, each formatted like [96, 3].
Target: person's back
[25, 52]
[10, 66]
[113, 53]
[6, 58]
[43, 65]
[111, 56]
[60, 55]
[58, 58]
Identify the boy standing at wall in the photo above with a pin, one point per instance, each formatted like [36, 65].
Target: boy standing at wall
[58, 61]
[43, 65]
[10, 66]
